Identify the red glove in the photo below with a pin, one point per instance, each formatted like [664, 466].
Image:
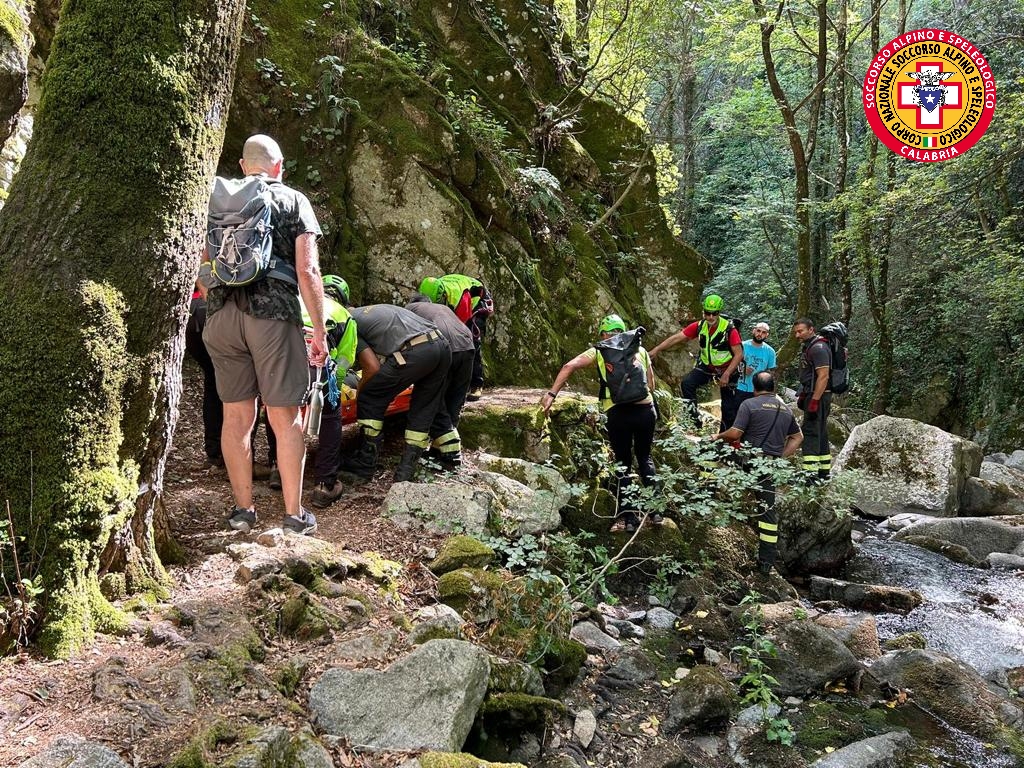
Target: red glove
[812, 407]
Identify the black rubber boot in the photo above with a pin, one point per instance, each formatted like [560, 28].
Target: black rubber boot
[410, 460]
[359, 466]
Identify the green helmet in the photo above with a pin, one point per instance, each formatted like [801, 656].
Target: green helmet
[713, 303]
[336, 288]
[429, 287]
[611, 324]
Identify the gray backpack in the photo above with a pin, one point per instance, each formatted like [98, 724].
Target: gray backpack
[240, 233]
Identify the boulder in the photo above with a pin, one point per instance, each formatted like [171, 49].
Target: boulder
[951, 690]
[458, 760]
[814, 532]
[535, 476]
[72, 751]
[1016, 460]
[519, 509]
[441, 507]
[876, 752]
[703, 699]
[809, 656]
[980, 536]
[906, 466]
[858, 632]
[984, 498]
[998, 473]
[1006, 562]
[865, 597]
[427, 700]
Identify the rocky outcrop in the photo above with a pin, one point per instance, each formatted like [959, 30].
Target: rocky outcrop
[427, 700]
[15, 42]
[906, 466]
[431, 143]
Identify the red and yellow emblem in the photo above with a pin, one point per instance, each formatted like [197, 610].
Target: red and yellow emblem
[929, 95]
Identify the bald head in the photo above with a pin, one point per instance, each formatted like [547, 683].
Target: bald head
[261, 154]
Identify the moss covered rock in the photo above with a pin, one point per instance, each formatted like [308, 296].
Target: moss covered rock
[471, 591]
[517, 711]
[461, 552]
[703, 699]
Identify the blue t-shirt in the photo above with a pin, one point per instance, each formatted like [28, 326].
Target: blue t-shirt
[756, 358]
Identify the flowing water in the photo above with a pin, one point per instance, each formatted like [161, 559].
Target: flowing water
[971, 614]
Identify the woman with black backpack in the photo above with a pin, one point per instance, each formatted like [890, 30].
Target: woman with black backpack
[626, 383]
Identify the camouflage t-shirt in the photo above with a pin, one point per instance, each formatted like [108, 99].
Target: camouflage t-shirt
[270, 298]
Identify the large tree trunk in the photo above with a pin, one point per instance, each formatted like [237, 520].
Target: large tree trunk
[97, 256]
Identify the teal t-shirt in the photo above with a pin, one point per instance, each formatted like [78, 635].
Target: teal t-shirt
[756, 358]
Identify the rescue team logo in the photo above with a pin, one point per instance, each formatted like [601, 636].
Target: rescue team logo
[929, 95]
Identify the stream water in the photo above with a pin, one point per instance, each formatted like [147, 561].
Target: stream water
[971, 614]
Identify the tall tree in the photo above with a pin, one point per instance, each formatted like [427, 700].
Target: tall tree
[97, 256]
[802, 143]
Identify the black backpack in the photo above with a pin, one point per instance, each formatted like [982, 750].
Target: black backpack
[621, 375]
[836, 335]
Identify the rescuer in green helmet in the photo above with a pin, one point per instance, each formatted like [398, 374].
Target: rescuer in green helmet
[721, 352]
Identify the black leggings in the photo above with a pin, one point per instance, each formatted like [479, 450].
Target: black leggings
[631, 433]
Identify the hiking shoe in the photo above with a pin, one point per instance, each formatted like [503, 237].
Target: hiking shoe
[243, 520]
[274, 481]
[324, 496]
[304, 524]
[215, 461]
[764, 567]
[475, 394]
[655, 519]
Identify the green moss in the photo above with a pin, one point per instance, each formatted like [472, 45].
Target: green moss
[468, 589]
[514, 711]
[290, 675]
[906, 642]
[506, 431]
[14, 27]
[112, 586]
[202, 751]
[562, 658]
[461, 552]
[460, 760]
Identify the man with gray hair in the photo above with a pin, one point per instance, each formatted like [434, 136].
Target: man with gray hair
[254, 336]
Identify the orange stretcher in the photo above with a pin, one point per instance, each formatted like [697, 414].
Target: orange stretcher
[348, 404]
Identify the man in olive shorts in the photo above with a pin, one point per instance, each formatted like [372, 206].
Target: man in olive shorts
[254, 336]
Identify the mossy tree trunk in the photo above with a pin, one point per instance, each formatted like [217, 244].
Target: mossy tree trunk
[98, 245]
